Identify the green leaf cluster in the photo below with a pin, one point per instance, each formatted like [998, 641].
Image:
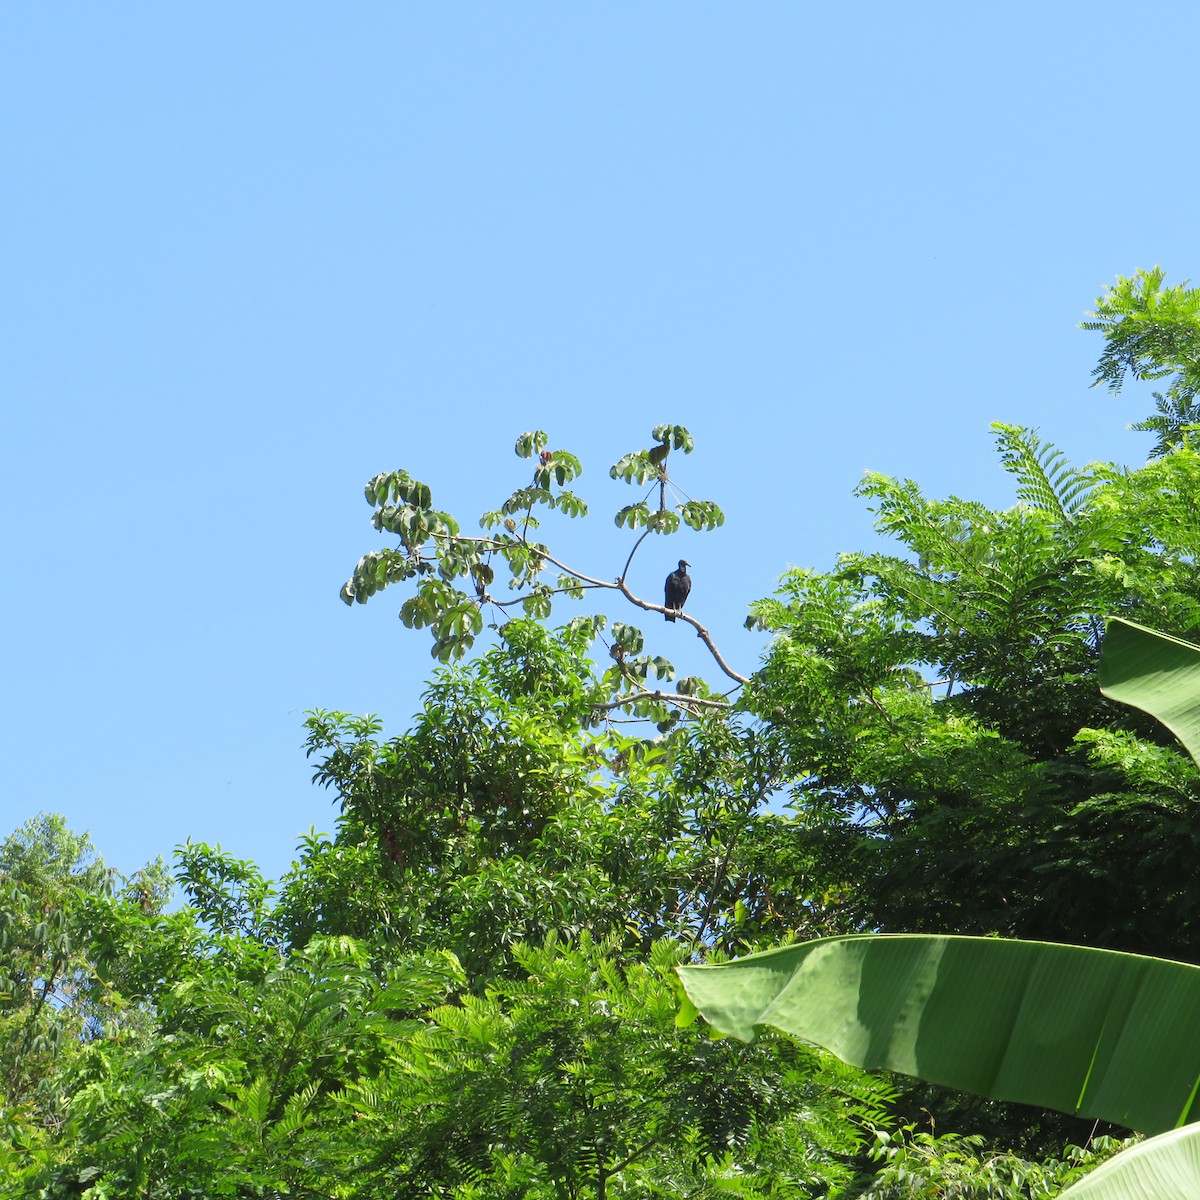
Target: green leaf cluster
[1152, 332]
[467, 989]
[955, 764]
[454, 576]
[1082, 1030]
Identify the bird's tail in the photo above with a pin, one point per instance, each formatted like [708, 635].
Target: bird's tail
[669, 616]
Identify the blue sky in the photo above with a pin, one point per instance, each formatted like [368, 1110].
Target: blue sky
[254, 254]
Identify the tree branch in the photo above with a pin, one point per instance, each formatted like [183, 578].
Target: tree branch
[701, 632]
[676, 698]
[619, 585]
[487, 598]
[887, 716]
[629, 560]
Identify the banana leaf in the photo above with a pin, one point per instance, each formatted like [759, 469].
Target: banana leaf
[1157, 673]
[1166, 1167]
[1093, 1032]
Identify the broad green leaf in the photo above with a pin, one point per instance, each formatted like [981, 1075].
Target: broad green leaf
[629, 637]
[674, 435]
[1166, 1167]
[1157, 673]
[702, 514]
[571, 504]
[633, 515]
[1093, 1032]
[529, 444]
[566, 466]
[635, 467]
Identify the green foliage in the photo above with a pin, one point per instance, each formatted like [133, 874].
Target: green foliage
[1079, 1029]
[240, 1097]
[454, 576]
[52, 997]
[573, 1079]
[1046, 480]
[500, 817]
[1083, 1031]
[936, 706]
[229, 895]
[352, 1068]
[1152, 332]
[926, 1166]
[464, 989]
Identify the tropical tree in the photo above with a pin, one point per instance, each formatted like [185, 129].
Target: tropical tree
[553, 852]
[934, 716]
[956, 768]
[54, 998]
[466, 989]
[351, 1069]
[438, 561]
[1153, 332]
[1090, 1032]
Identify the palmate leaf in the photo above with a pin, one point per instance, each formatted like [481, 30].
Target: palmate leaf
[1085, 1031]
[1157, 673]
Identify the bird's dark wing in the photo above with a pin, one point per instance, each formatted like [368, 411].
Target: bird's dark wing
[669, 593]
[679, 583]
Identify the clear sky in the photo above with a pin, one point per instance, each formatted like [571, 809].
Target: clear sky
[255, 253]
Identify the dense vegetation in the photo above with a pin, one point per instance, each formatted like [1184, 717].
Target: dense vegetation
[467, 991]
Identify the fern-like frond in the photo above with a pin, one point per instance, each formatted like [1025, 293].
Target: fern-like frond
[1045, 479]
[1150, 330]
[296, 1113]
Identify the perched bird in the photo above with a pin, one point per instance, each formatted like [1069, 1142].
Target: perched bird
[679, 583]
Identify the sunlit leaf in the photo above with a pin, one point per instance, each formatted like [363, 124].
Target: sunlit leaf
[1157, 673]
[1081, 1030]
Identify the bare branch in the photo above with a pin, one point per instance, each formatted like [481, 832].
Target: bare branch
[490, 544]
[573, 573]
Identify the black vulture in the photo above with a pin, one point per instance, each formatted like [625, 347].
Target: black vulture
[679, 583]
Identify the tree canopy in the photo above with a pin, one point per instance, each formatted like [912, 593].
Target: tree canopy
[467, 988]
[1152, 332]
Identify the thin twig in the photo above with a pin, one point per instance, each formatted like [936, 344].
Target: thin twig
[487, 598]
[676, 698]
[636, 1154]
[887, 716]
[629, 560]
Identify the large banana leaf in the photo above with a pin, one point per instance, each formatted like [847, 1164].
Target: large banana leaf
[1093, 1032]
[1166, 1167]
[1157, 673]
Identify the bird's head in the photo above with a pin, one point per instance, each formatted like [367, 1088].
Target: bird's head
[684, 564]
